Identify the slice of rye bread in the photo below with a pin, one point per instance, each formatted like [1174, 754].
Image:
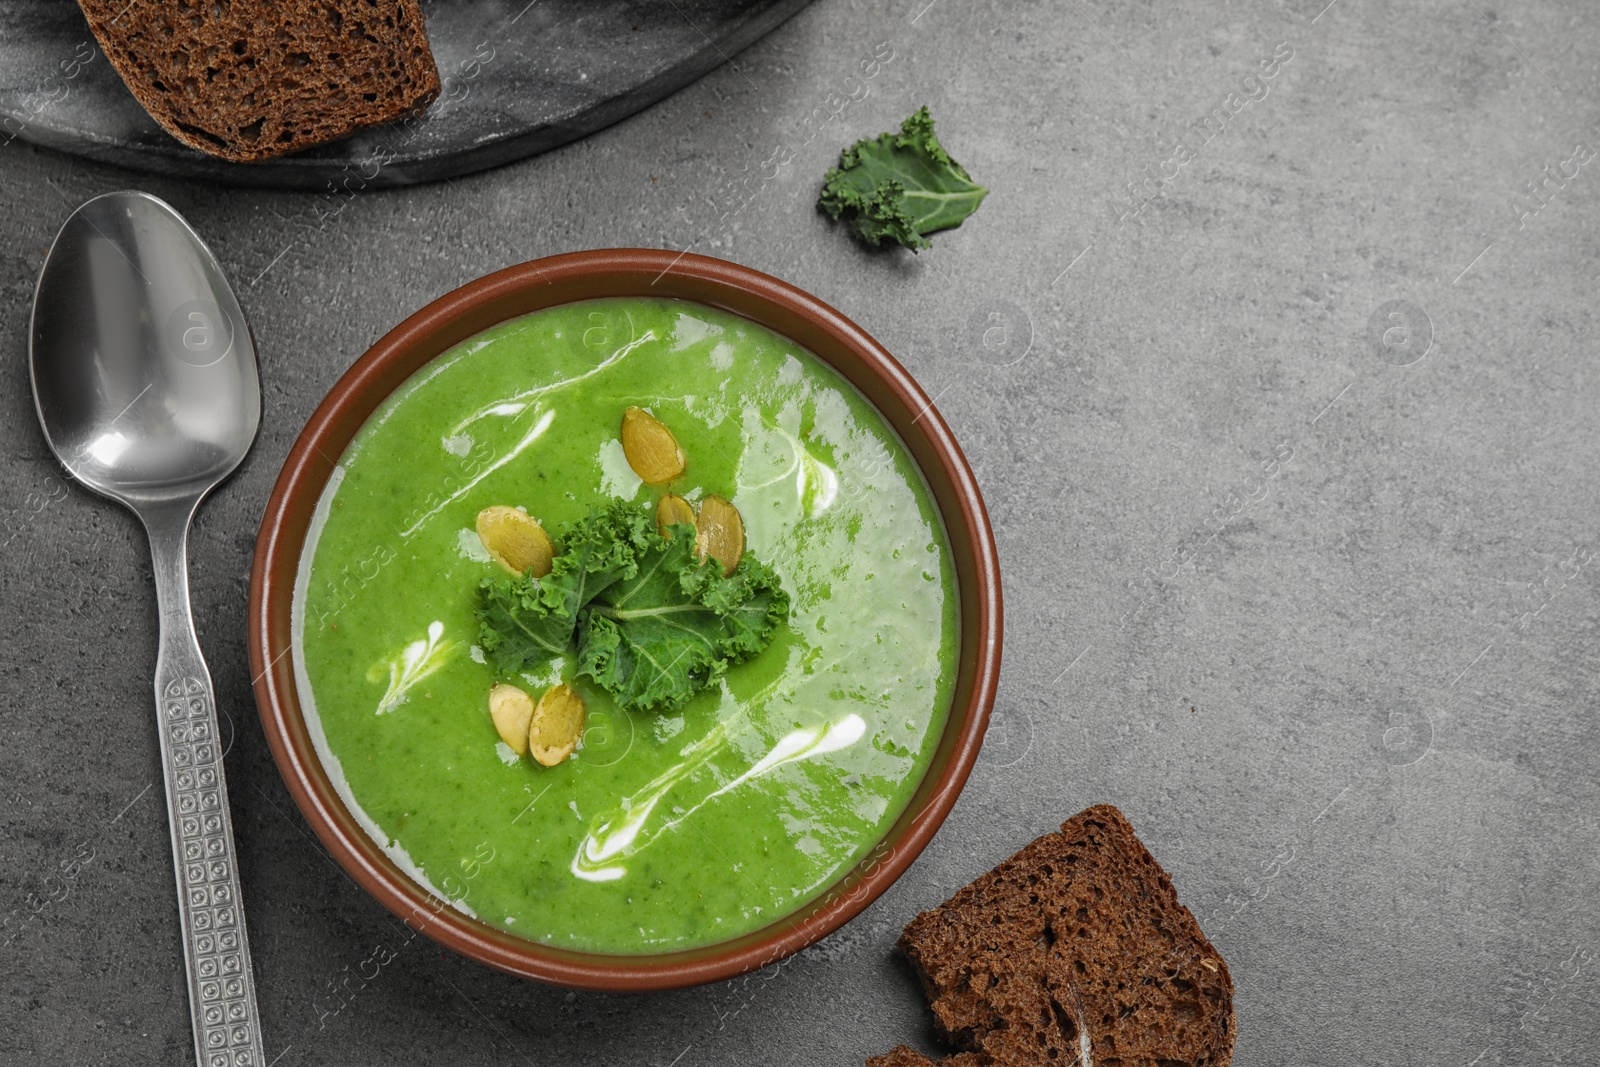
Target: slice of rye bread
[906, 1056]
[251, 80]
[1073, 953]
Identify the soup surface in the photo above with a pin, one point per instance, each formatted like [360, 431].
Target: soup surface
[662, 831]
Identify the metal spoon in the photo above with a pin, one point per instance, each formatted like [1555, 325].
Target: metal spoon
[144, 374]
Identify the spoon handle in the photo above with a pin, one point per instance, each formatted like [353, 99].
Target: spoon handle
[222, 993]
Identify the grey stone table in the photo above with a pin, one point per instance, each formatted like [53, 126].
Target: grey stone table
[1281, 390]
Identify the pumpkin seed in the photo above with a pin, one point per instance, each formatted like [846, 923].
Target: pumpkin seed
[672, 511]
[652, 451]
[512, 711]
[557, 724]
[720, 533]
[515, 541]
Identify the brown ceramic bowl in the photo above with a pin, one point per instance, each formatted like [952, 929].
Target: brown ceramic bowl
[559, 280]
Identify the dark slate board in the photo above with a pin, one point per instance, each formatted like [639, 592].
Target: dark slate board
[519, 78]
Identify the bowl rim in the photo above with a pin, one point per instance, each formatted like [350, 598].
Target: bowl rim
[563, 279]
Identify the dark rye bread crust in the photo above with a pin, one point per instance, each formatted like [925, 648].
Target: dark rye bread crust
[1079, 938]
[251, 79]
[905, 1056]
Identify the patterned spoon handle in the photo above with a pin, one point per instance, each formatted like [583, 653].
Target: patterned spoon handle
[222, 994]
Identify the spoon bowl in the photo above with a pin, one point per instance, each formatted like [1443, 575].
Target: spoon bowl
[144, 376]
[144, 372]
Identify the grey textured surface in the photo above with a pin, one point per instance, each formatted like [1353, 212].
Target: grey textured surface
[517, 77]
[1318, 614]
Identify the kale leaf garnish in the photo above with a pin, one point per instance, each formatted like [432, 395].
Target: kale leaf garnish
[653, 624]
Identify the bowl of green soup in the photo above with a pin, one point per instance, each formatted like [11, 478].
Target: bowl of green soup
[625, 620]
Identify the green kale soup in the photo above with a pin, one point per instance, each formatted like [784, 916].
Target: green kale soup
[664, 829]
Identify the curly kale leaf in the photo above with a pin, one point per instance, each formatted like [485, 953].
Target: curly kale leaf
[653, 624]
[900, 186]
[655, 639]
[527, 620]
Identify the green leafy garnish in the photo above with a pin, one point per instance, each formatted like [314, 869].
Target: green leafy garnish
[526, 620]
[900, 186]
[660, 636]
[653, 624]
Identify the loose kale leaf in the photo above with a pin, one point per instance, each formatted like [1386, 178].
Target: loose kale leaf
[900, 186]
[656, 638]
[526, 620]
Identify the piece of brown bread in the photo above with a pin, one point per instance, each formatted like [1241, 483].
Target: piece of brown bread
[905, 1056]
[1073, 953]
[252, 80]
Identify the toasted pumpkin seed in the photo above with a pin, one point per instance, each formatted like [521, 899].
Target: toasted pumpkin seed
[720, 533]
[557, 724]
[515, 541]
[652, 451]
[512, 711]
[672, 511]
